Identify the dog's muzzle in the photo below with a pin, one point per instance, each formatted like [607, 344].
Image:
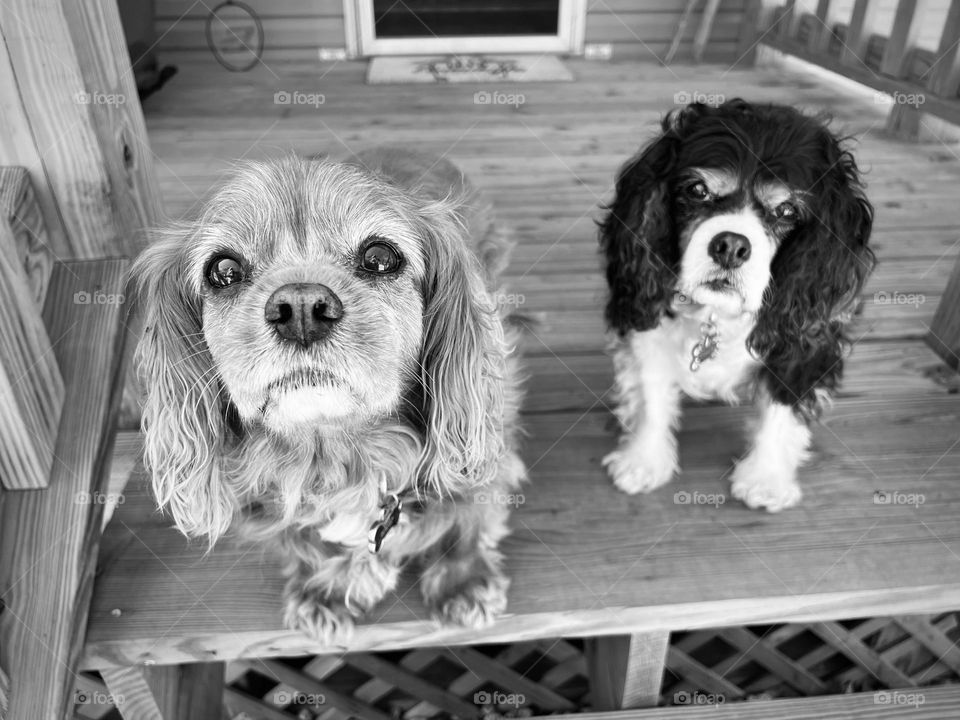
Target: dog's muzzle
[303, 313]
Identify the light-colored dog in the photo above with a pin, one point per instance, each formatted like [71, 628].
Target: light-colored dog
[326, 366]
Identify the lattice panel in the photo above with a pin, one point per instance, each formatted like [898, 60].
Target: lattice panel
[806, 659]
[550, 676]
[518, 680]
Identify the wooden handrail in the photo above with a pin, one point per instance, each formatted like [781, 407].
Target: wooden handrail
[809, 36]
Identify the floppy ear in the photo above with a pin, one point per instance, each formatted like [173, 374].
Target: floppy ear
[637, 239]
[816, 277]
[462, 362]
[182, 420]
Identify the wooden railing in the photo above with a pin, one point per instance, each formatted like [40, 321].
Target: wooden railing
[855, 43]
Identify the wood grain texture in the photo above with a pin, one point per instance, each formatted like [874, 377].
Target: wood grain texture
[926, 704]
[548, 166]
[634, 564]
[22, 211]
[626, 671]
[19, 148]
[944, 335]
[31, 386]
[49, 538]
[59, 107]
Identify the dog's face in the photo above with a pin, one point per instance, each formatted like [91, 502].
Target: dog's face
[740, 207]
[729, 228]
[311, 280]
[310, 303]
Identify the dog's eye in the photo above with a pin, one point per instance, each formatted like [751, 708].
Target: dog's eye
[699, 191]
[786, 211]
[224, 270]
[381, 258]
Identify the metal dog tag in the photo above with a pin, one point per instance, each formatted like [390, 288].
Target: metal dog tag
[389, 517]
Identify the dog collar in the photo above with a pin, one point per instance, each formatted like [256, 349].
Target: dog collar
[708, 345]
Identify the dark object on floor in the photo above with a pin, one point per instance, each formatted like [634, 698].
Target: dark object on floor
[150, 77]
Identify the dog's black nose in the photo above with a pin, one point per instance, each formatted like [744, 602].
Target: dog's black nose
[729, 250]
[303, 312]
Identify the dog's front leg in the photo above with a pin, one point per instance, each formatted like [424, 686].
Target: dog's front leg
[648, 408]
[327, 587]
[462, 578]
[766, 477]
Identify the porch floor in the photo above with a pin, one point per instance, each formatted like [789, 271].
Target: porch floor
[584, 558]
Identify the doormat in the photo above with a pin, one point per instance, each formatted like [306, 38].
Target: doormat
[467, 69]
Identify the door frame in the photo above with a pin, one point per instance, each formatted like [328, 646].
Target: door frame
[361, 41]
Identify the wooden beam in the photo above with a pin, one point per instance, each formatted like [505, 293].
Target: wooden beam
[20, 209]
[73, 86]
[626, 671]
[944, 335]
[31, 386]
[49, 538]
[703, 30]
[168, 692]
[945, 74]
[863, 24]
[907, 25]
[819, 39]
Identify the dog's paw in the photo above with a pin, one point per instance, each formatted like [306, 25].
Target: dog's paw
[770, 488]
[635, 470]
[328, 624]
[475, 604]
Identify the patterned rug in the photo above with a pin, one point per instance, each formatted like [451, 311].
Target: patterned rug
[467, 69]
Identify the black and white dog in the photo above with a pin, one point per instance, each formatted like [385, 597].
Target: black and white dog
[735, 250]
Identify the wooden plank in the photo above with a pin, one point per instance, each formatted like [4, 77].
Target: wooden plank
[944, 335]
[21, 210]
[863, 24]
[945, 75]
[19, 147]
[836, 544]
[626, 671]
[279, 32]
[31, 386]
[63, 109]
[188, 692]
[176, 9]
[908, 24]
[132, 694]
[819, 38]
[119, 127]
[946, 107]
[49, 539]
[933, 703]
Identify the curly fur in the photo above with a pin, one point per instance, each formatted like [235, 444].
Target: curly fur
[784, 310]
[425, 357]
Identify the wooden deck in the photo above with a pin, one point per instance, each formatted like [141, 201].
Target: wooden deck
[584, 558]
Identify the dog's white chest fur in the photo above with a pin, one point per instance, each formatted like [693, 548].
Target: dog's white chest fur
[669, 349]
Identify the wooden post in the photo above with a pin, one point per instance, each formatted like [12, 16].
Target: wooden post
[945, 75]
[819, 38]
[626, 671]
[907, 24]
[944, 335]
[72, 117]
[168, 692]
[863, 22]
[78, 127]
[49, 538]
[31, 387]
